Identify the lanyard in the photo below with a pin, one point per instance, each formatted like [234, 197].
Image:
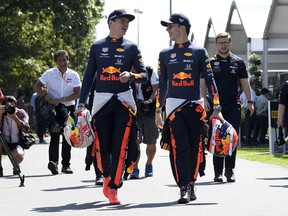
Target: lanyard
[63, 76]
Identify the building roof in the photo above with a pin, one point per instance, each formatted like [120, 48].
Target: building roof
[276, 25]
[237, 31]
[209, 42]
[275, 40]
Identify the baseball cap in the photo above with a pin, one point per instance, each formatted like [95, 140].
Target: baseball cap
[177, 18]
[120, 13]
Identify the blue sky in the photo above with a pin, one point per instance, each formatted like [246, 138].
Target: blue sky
[153, 37]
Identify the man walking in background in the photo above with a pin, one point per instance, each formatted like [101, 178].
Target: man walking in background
[229, 70]
[63, 88]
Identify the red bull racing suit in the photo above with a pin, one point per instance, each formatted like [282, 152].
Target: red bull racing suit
[113, 105]
[180, 69]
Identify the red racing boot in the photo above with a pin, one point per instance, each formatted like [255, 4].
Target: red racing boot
[113, 199]
[106, 189]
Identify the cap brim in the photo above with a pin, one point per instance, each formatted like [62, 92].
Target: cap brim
[166, 23]
[129, 16]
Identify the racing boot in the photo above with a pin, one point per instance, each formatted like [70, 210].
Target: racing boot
[192, 192]
[184, 195]
[106, 188]
[113, 198]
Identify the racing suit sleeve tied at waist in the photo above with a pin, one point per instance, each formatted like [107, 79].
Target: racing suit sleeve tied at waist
[103, 97]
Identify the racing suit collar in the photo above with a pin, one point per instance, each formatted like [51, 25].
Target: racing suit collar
[182, 45]
[114, 40]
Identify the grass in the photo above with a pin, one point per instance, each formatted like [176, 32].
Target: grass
[261, 154]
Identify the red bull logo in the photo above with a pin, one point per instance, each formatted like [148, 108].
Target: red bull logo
[182, 76]
[222, 145]
[226, 145]
[110, 74]
[111, 70]
[218, 147]
[182, 79]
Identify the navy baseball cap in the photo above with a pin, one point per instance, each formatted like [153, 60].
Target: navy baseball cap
[177, 18]
[120, 13]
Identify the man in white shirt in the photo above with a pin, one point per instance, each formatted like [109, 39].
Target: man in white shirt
[63, 88]
[261, 123]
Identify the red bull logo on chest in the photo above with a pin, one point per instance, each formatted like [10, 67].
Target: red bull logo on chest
[110, 74]
[182, 79]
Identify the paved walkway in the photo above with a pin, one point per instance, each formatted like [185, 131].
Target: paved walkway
[260, 189]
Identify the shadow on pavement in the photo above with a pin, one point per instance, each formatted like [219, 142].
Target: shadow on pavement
[101, 206]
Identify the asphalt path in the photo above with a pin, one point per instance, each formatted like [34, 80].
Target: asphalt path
[260, 189]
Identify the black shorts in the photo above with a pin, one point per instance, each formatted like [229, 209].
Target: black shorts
[148, 132]
[13, 146]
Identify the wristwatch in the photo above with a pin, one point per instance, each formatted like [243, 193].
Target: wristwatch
[250, 102]
[217, 107]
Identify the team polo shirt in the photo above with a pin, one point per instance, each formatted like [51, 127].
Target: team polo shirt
[59, 86]
[283, 97]
[180, 68]
[107, 59]
[227, 73]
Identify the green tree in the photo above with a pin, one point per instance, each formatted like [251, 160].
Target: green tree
[254, 70]
[31, 31]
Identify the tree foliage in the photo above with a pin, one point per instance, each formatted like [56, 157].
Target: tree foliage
[31, 31]
[254, 70]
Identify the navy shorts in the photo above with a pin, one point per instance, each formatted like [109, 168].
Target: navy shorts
[12, 146]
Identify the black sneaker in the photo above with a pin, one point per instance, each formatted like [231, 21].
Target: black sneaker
[66, 170]
[218, 178]
[1, 171]
[192, 193]
[184, 195]
[229, 175]
[99, 181]
[52, 166]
